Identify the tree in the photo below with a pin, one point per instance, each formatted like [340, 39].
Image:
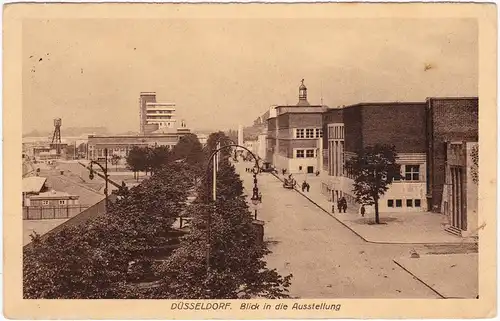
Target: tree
[228, 186]
[115, 159]
[92, 260]
[160, 156]
[212, 140]
[475, 164]
[237, 266]
[137, 160]
[373, 169]
[189, 149]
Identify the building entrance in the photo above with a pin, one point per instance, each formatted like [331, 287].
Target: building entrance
[458, 203]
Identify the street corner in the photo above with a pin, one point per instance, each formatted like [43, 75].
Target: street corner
[451, 276]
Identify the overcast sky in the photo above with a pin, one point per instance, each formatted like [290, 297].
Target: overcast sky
[224, 72]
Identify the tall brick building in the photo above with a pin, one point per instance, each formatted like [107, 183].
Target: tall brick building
[293, 135]
[350, 129]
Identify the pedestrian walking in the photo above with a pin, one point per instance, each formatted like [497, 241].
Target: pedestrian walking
[307, 187]
[343, 203]
[339, 206]
[362, 210]
[304, 184]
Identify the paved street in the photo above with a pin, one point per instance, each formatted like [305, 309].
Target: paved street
[327, 259]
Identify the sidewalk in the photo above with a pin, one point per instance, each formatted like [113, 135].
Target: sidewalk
[450, 276]
[396, 228]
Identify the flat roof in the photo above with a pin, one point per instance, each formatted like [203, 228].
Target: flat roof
[53, 194]
[160, 104]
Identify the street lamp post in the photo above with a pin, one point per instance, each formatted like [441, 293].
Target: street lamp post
[256, 196]
[105, 172]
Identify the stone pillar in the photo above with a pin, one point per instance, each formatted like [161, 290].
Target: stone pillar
[259, 229]
[319, 155]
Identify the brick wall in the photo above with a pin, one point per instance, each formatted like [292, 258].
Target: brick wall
[352, 122]
[448, 119]
[301, 120]
[401, 125]
[283, 121]
[300, 143]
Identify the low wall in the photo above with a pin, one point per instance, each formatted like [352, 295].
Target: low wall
[52, 212]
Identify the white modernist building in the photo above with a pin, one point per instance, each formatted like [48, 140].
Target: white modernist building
[162, 114]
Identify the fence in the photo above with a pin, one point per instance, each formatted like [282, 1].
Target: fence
[52, 212]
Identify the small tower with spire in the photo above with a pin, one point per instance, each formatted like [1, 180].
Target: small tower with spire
[303, 95]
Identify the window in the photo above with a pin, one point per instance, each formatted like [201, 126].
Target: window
[62, 202]
[412, 172]
[399, 203]
[319, 132]
[409, 203]
[45, 202]
[390, 203]
[299, 133]
[300, 153]
[309, 153]
[417, 203]
[310, 133]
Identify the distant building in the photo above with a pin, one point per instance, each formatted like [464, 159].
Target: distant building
[53, 198]
[158, 127]
[293, 135]
[51, 205]
[121, 144]
[240, 135]
[33, 185]
[154, 115]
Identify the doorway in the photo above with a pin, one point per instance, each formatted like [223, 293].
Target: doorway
[310, 169]
[458, 200]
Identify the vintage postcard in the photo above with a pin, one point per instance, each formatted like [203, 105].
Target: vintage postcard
[249, 161]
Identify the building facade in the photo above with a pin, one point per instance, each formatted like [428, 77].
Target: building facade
[122, 144]
[350, 129]
[294, 132]
[422, 134]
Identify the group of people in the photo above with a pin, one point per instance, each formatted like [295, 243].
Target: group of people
[249, 170]
[305, 186]
[341, 205]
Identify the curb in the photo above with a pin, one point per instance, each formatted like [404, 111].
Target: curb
[328, 213]
[420, 280]
[361, 237]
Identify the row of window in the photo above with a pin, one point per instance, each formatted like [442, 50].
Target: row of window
[399, 203]
[61, 202]
[410, 173]
[159, 111]
[308, 133]
[304, 153]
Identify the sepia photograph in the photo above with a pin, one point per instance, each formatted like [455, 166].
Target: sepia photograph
[223, 157]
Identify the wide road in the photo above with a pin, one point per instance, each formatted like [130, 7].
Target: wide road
[327, 259]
